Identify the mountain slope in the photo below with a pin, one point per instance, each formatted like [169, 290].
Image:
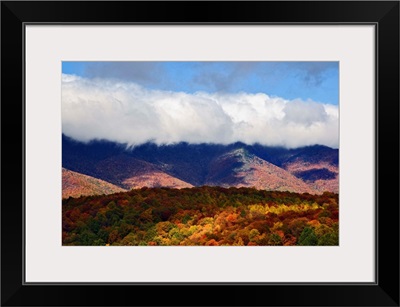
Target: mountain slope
[313, 168]
[239, 168]
[155, 180]
[321, 176]
[75, 185]
[318, 166]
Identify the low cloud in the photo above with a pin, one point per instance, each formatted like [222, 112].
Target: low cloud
[128, 113]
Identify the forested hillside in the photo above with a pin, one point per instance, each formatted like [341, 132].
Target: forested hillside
[201, 216]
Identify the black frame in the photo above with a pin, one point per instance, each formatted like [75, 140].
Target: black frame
[383, 14]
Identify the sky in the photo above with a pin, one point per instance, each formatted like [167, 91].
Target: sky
[288, 104]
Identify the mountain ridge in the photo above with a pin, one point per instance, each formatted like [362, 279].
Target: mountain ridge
[309, 169]
[75, 184]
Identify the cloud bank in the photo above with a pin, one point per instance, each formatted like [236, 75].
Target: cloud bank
[125, 112]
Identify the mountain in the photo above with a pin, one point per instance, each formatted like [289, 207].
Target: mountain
[75, 185]
[155, 180]
[318, 166]
[240, 168]
[311, 169]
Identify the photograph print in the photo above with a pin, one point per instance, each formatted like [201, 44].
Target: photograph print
[200, 153]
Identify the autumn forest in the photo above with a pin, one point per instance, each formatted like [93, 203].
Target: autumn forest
[204, 216]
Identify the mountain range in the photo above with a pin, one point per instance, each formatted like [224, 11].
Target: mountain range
[104, 167]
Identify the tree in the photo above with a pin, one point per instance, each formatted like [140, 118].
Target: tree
[274, 239]
[329, 239]
[308, 237]
[296, 226]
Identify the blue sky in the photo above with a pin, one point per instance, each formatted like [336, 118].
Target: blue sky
[316, 81]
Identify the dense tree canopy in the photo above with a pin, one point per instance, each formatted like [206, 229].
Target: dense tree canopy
[201, 216]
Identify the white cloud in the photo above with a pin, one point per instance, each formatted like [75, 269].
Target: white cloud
[128, 113]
